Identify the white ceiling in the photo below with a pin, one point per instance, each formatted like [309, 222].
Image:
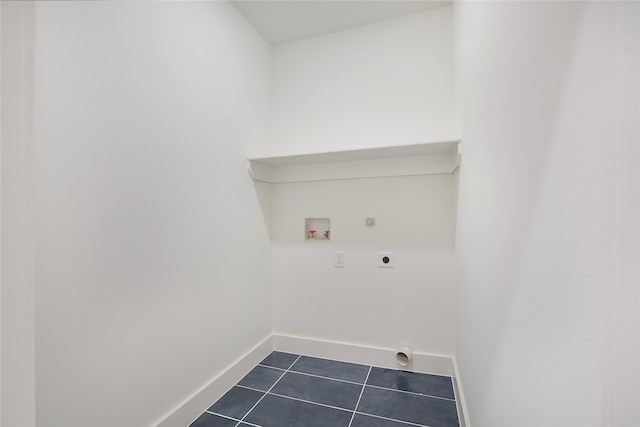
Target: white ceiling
[285, 21]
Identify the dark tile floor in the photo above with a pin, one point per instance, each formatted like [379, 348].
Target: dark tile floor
[288, 390]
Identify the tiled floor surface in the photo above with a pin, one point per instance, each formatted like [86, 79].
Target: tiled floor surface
[288, 390]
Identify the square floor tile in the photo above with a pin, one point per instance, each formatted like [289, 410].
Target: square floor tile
[261, 378]
[210, 420]
[275, 411]
[432, 385]
[279, 359]
[236, 402]
[331, 369]
[398, 405]
[319, 390]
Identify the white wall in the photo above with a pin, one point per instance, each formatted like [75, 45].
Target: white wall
[536, 235]
[152, 258]
[362, 304]
[17, 392]
[389, 83]
[622, 355]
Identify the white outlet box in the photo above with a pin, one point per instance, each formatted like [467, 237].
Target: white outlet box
[386, 260]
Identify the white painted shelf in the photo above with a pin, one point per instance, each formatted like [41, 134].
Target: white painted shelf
[421, 159]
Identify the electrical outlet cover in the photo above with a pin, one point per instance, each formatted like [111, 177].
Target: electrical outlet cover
[386, 260]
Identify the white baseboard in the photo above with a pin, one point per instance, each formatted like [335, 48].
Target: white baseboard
[187, 411]
[463, 415]
[380, 357]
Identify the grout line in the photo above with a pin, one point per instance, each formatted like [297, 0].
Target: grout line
[220, 415]
[263, 396]
[328, 378]
[310, 402]
[297, 398]
[359, 397]
[227, 417]
[412, 392]
[272, 367]
[249, 388]
[392, 419]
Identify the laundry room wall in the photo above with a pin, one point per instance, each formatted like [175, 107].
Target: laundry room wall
[387, 83]
[384, 84]
[547, 234]
[152, 257]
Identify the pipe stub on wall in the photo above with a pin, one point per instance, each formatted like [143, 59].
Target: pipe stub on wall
[404, 356]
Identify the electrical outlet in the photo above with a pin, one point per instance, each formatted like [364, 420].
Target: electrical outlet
[386, 260]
